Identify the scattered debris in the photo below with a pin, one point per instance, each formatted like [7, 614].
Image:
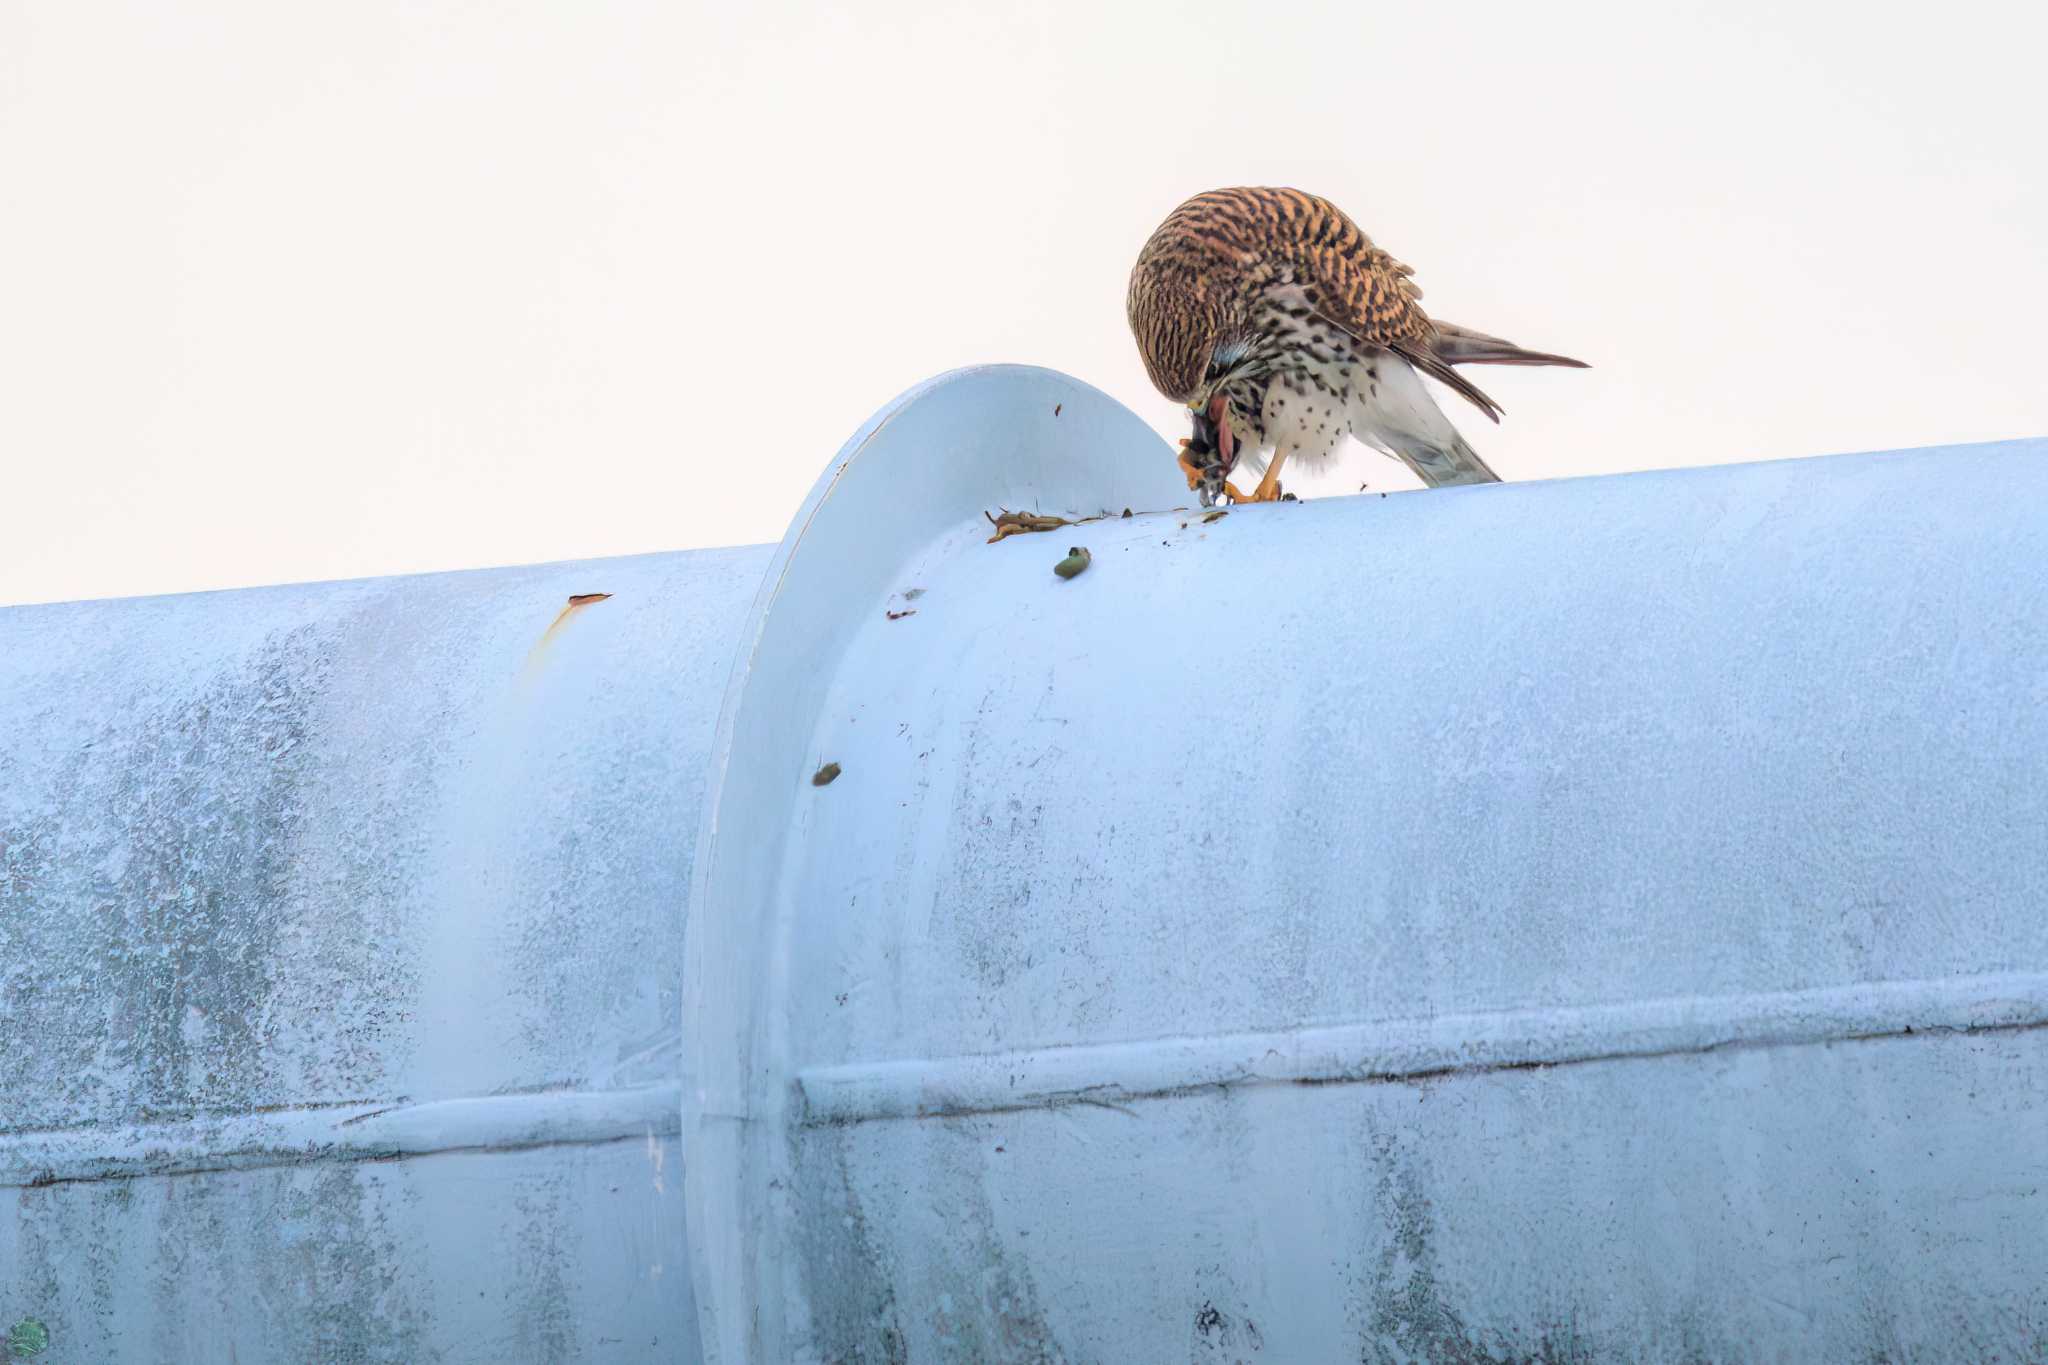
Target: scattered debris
[1009, 523]
[577, 601]
[1216, 515]
[1077, 559]
[1289, 497]
[912, 594]
[1056, 408]
[899, 615]
[823, 777]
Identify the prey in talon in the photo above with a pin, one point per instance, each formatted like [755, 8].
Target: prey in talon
[1210, 454]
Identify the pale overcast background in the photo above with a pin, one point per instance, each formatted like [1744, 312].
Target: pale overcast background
[310, 290]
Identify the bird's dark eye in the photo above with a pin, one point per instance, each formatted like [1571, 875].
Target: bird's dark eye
[1226, 354]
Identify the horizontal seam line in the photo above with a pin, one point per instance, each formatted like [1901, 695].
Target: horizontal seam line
[844, 1095]
[1110, 1096]
[265, 1161]
[309, 1135]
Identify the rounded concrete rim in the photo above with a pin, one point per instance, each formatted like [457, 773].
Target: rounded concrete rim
[924, 467]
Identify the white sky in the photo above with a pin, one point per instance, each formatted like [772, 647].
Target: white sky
[310, 290]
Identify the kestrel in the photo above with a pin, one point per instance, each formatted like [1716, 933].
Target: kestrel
[1283, 328]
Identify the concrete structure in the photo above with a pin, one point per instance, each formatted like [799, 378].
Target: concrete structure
[1586, 920]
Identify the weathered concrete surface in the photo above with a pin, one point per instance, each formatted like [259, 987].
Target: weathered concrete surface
[1588, 920]
[545, 1254]
[1596, 920]
[296, 881]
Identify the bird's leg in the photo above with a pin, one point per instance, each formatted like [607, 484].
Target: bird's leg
[1269, 487]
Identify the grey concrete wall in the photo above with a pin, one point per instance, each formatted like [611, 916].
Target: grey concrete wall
[1591, 920]
[1597, 920]
[341, 934]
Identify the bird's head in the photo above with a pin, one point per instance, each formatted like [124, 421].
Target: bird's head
[1190, 360]
[1193, 342]
[1188, 333]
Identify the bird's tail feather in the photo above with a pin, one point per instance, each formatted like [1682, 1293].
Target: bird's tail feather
[1455, 345]
[1443, 465]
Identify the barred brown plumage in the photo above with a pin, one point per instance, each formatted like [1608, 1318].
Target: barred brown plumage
[1273, 316]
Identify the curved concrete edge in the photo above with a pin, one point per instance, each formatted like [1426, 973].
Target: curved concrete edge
[916, 478]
